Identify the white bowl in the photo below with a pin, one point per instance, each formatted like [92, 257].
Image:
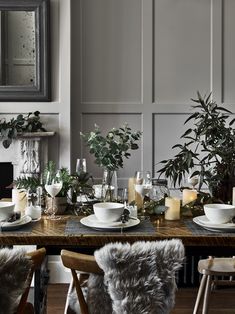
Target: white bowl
[6, 209]
[108, 211]
[219, 213]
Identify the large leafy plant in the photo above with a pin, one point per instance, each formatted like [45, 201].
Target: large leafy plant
[209, 148]
[111, 149]
[9, 130]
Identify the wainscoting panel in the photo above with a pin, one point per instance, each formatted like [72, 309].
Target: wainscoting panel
[182, 49]
[228, 27]
[111, 51]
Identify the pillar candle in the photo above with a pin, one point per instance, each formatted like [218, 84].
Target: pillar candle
[173, 210]
[131, 190]
[19, 198]
[234, 196]
[189, 196]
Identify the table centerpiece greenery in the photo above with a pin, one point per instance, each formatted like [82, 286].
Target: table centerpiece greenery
[110, 150]
[209, 148]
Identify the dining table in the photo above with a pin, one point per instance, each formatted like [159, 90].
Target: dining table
[69, 233]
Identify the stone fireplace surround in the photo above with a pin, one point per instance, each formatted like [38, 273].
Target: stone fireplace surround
[28, 154]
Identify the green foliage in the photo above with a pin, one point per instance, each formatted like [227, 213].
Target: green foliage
[81, 185]
[110, 150]
[209, 146]
[29, 123]
[29, 183]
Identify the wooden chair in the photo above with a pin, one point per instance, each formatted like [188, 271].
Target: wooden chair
[124, 272]
[85, 264]
[211, 269]
[37, 258]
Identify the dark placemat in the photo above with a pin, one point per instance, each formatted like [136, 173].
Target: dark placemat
[24, 229]
[75, 227]
[198, 230]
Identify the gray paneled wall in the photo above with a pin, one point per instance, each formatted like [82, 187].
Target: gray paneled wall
[140, 61]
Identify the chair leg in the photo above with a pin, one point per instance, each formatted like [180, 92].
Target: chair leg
[207, 295]
[199, 294]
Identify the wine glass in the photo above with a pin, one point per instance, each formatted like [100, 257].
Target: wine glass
[193, 179]
[53, 185]
[80, 165]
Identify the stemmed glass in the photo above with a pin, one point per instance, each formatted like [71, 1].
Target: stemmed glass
[143, 186]
[80, 165]
[53, 185]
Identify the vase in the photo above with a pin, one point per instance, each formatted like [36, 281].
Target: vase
[109, 186]
[222, 190]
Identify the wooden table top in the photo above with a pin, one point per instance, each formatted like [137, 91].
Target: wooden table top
[52, 233]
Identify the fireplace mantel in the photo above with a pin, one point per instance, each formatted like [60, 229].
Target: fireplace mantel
[28, 153]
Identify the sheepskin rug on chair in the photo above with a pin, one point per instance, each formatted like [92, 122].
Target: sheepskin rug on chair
[140, 277]
[14, 269]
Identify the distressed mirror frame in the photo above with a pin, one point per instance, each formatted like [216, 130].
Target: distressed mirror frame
[40, 91]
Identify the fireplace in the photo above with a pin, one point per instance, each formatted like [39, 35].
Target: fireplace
[6, 171]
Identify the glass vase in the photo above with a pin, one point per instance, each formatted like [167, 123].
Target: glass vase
[109, 186]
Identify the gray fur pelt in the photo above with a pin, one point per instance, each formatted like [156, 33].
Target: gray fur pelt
[14, 269]
[141, 277]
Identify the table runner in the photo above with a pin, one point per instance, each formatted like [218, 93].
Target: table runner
[75, 227]
[198, 230]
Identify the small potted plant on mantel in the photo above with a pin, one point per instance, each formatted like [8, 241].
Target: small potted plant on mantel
[208, 151]
[110, 150]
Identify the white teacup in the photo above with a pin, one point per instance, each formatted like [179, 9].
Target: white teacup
[34, 212]
[108, 211]
[219, 213]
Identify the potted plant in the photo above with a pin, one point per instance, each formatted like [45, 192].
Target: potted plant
[110, 150]
[61, 197]
[209, 148]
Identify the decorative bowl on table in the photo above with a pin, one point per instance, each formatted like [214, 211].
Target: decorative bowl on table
[108, 211]
[6, 210]
[219, 213]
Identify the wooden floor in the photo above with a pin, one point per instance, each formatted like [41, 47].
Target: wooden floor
[222, 300]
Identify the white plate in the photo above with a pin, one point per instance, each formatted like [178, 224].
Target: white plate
[24, 220]
[92, 222]
[204, 222]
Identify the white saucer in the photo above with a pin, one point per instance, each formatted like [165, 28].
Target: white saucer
[24, 220]
[204, 222]
[92, 222]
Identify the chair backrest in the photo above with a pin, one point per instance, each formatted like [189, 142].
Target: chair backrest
[138, 277]
[16, 272]
[82, 263]
[36, 257]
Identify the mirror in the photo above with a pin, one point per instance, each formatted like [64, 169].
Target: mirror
[24, 51]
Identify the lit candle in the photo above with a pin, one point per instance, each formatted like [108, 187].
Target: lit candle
[131, 190]
[234, 196]
[19, 198]
[173, 210]
[189, 196]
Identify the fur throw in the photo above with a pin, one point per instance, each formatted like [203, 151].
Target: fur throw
[14, 269]
[138, 278]
[141, 277]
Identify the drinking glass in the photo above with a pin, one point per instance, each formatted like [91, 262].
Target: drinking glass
[142, 187]
[81, 165]
[53, 185]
